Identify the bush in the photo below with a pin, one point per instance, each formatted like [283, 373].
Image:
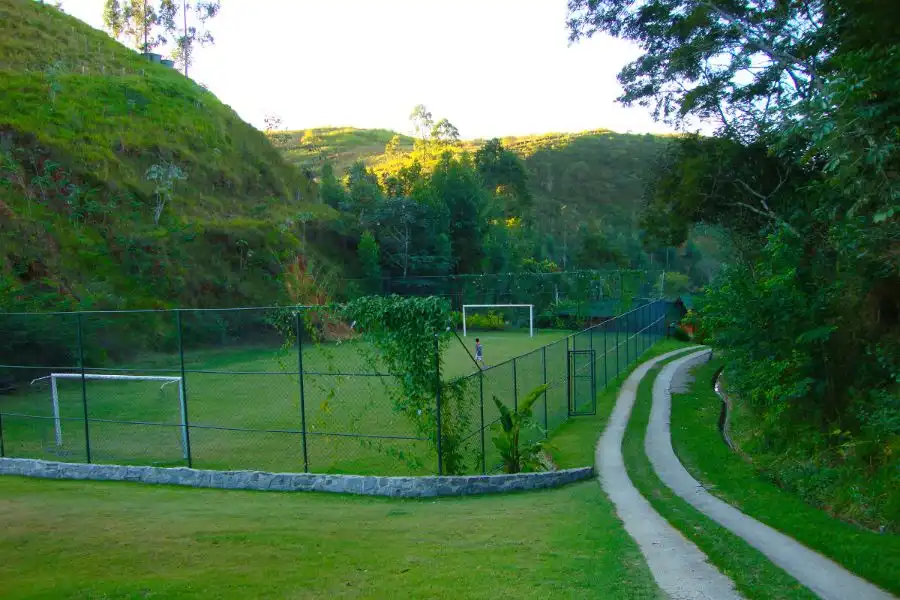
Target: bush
[489, 321]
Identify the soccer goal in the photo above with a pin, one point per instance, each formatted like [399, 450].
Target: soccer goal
[166, 380]
[530, 307]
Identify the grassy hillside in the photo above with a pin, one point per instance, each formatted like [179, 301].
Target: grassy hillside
[341, 146]
[82, 120]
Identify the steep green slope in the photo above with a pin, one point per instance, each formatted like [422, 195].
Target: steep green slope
[82, 121]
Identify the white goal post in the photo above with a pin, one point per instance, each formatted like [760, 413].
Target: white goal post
[57, 421]
[529, 306]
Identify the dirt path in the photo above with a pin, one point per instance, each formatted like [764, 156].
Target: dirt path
[823, 576]
[678, 566]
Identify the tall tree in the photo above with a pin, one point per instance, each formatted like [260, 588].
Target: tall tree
[456, 183]
[444, 132]
[191, 35]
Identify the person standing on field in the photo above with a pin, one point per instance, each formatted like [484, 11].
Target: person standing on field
[479, 353]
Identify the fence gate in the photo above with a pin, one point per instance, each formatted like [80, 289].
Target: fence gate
[582, 383]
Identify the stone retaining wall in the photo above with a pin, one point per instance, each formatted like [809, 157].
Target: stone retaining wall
[406, 487]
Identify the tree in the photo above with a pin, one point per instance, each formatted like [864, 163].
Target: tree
[191, 35]
[444, 132]
[410, 241]
[743, 64]
[370, 260]
[422, 122]
[272, 122]
[392, 148]
[504, 173]
[803, 177]
[456, 183]
[163, 175]
[113, 19]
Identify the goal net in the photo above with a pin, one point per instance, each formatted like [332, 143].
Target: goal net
[117, 405]
[497, 317]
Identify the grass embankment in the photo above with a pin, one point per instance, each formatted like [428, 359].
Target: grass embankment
[753, 574]
[700, 448]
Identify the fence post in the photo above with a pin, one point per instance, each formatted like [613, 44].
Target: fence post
[87, 429]
[515, 387]
[544, 367]
[185, 422]
[2, 449]
[437, 391]
[481, 400]
[299, 334]
[616, 324]
[568, 380]
[605, 353]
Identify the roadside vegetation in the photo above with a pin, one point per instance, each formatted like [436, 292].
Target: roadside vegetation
[700, 447]
[754, 575]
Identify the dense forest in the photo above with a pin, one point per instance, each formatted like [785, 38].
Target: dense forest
[802, 177]
[542, 203]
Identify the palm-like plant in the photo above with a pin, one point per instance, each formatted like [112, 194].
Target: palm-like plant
[516, 457]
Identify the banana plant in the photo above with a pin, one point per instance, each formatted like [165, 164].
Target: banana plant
[516, 457]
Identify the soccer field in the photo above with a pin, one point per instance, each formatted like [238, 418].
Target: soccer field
[244, 406]
[244, 410]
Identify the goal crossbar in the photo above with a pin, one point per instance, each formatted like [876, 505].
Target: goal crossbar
[166, 379]
[530, 308]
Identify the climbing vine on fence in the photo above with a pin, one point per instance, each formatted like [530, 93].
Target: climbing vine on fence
[409, 336]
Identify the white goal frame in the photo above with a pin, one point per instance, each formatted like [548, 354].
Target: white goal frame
[529, 306]
[57, 421]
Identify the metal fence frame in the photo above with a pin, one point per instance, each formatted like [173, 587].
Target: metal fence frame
[642, 326]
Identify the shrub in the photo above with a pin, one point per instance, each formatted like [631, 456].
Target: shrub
[490, 321]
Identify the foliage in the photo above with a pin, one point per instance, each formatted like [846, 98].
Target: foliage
[803, 178]
[518, 456]
[571, 199]
[164, 175]
[847, 493]
[409, 335]
[77, 209]
[488, 321]
[369, 258]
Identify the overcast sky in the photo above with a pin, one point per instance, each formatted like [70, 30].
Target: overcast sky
[493, 67]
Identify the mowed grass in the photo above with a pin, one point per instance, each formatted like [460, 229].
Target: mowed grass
[700, 448]
[121, 540]
[235, 389]
[753, 574]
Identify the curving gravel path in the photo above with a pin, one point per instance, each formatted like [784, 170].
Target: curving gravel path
[824, 577]
[677, 565]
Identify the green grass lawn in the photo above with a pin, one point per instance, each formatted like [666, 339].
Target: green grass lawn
[753, 574]
[699, 446]
[244, 406]
[120, 540]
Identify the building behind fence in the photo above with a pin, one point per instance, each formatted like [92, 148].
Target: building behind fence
[252, 389]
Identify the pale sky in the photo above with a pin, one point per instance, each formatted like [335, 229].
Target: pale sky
[492, 67]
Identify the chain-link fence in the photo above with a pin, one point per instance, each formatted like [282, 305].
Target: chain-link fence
[275, 389]
[543, 290]
[575, 369]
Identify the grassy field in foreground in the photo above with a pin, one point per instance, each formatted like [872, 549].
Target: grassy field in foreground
[753, 574]
[696, 439]
[121, 540]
